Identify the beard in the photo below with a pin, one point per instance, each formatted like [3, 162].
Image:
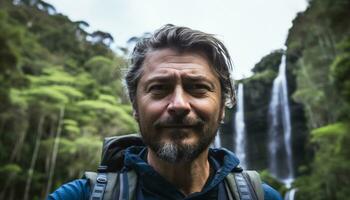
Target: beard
[174, 150]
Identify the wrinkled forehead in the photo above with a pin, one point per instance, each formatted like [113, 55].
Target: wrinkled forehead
[187, 60]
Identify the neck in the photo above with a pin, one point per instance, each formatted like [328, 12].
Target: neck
[188, 177]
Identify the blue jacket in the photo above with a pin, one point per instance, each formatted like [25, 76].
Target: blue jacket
[152, 186]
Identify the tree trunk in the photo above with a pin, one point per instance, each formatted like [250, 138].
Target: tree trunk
[55, 151]
[49, 152]
[2, 124]
[7, 184]
[18, 147]
[34, 157]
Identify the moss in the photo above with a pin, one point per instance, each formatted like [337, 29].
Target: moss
[330, 173]
[269, 62]
[336, 129]
[264, 76]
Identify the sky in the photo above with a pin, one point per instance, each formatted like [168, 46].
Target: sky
[250, 29]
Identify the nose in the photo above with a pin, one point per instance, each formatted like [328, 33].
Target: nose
[179, 105]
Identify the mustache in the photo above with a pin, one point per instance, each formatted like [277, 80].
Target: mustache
[183, 121]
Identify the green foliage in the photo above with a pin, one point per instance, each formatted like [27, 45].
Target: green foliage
[318, 45]
[71, 128]
[106, 72]
[264, 76]
[17, 98]
[76, 155]
[47, 95]
[108, 99]
[91, 155]
[101, 67]
[70, 92]
[328, 131]
[11, 40]
[51, 76]
[44, 69]
[312, 46]
[114, 114]
[10, 169]
[269, 62]
[91, 105]
[330, 174]
[341, 70]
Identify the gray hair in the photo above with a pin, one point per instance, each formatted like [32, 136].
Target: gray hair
[183, 39]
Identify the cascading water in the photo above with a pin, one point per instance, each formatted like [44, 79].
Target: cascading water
[290, 194]
[217, 140]
[240, 141]
[280, 147]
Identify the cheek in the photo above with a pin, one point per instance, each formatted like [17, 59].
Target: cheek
[150, 110]
[208, 109]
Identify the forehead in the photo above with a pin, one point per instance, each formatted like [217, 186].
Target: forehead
[166, 61]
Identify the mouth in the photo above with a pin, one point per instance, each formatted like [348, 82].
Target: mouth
[183, 123]
[178, 126]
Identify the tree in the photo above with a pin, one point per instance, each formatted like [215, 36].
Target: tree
[101, 37]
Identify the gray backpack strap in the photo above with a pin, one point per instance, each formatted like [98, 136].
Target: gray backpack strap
[255, 181]
[103, 185]
[244, 185]
[231, 188]
[132, 182]
[114, 187]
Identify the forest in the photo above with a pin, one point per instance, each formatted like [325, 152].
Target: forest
[62, 92]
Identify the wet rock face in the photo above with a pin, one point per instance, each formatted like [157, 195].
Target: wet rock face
[256, 104]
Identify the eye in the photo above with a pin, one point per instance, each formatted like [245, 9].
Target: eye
[158, 88]
[198, 88]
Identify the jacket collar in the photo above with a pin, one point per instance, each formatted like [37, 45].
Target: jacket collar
[221, 160]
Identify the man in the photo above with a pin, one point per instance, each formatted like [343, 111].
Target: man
[179, 84]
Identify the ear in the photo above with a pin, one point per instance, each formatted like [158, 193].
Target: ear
[222, 115]
[135, 115]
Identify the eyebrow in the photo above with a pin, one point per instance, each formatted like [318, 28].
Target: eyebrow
[186, 78]
[159, 78]
[198, 78]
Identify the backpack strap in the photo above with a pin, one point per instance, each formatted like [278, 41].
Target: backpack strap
[255, 181]
[231, 188]
[112, 180]
[128, 183]
[117, 186]
[244, 185]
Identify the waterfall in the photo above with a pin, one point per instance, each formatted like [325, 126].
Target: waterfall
[217, 140]
[280, 147]
[240, 128]
[290, 194]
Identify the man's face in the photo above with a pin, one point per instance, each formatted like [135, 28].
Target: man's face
[178, 104]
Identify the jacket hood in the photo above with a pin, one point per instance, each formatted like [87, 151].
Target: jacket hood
[221, 160]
